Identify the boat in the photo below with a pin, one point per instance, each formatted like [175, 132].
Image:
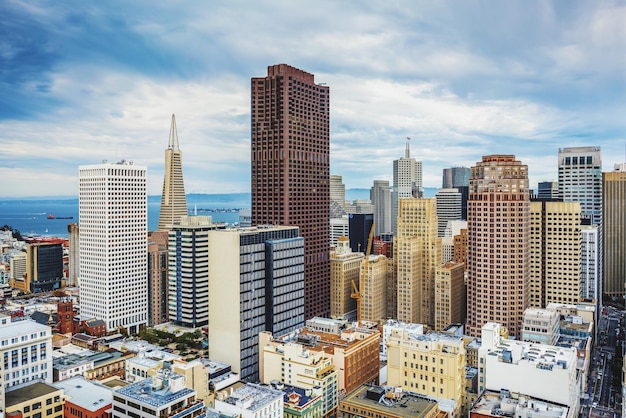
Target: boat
[51, 216]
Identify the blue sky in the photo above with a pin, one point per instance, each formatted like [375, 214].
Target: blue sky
[85, 81]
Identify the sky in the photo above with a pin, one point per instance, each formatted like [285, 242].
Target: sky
[82, 82]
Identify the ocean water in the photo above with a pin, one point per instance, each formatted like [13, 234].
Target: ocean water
[30, 216]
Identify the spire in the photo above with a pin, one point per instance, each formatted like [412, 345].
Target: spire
[173, 144]
[407, 153]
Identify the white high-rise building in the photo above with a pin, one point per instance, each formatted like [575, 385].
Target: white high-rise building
[380, 195]
[113, 220]
[448, 208]
[580, 180]
[589, 259]
[407, 182]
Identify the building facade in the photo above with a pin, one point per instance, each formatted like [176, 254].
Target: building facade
[555, 253]
[263, 269]
[188, 271]
[113, 218]
[44, 267]
[450, 295]
[173, 199]
[589, 262]
[614, 231]
[345, 268]
[157, 278]
[448, 208]
[380, 195]
[458, 178]
[373, 288]
[359, 227]
[580, 180]
[498, 256]
[417, 252]
[407, 182]
[290, 168]
[73, 254]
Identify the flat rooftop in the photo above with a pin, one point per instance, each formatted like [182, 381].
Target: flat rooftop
[28, 393]
[85, 393]
[254, 396]
[142, 391]
[408, 405]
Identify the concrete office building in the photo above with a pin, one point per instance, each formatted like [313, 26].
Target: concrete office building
[453, 229]
[339, 227]
[614, 231]
[589, 262]
[250, 401]
[345, 268]
[498, 255]
[407, 183]
[555, 250]
[431, 365]
[26, 347]
[373, 288]
[458, 178]
[73, 254]
[580, 180]
[337, 190]
[448, 208]
[380, 195]
[188, 271]
[290, 168]
[417, 252]
[163, 395]
[450, 295]
[540, 371]
[157, 278]
[293, 363]
[541, 326]
[263, 269]
[173, 199]
[113, 219]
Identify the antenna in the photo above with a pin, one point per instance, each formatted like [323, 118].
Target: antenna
[173, 143]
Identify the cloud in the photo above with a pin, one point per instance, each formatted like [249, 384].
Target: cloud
[90, 81]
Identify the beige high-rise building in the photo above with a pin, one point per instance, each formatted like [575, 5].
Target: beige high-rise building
[173, 199]
[417, 251]
[450, 295]
[614, 231]
[432, 365]
[374, 288]
[555, 253]
[73, 259]
[345, 267]
[498, 243]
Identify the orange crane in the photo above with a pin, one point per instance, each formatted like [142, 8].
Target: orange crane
[356, 293]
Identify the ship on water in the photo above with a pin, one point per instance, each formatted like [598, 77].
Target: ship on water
[51, 216]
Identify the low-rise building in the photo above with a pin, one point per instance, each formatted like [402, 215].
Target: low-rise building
[300, 403]
[503, 404]
[538, 371]
[250, 401]
[26, 348]
[431, 365]
[35, 400]
[163, 395]
[375, 401]
[85, 398]
[540, 326]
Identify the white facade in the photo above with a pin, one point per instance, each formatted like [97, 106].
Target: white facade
[407, 179]
[580, 179]
[542, 371]
[414, 330]
[26, 349]
[589, 262]
[448, 208]
[251, 401]
[541, 326]
[339, 227]
[113, 220]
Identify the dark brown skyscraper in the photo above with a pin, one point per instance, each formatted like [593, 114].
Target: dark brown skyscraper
[290, 169]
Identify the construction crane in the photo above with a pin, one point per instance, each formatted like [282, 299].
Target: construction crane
[356, 293]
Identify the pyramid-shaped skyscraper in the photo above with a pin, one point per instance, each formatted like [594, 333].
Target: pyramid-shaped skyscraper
[173, 200]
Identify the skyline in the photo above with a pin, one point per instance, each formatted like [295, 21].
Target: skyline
[80, 83]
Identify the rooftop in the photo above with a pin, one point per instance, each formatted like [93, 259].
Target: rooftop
[390, 403]
[505, 404]
[85, 393]
[28, 393]
[143, 391]
[17, 328]
[253, 397]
